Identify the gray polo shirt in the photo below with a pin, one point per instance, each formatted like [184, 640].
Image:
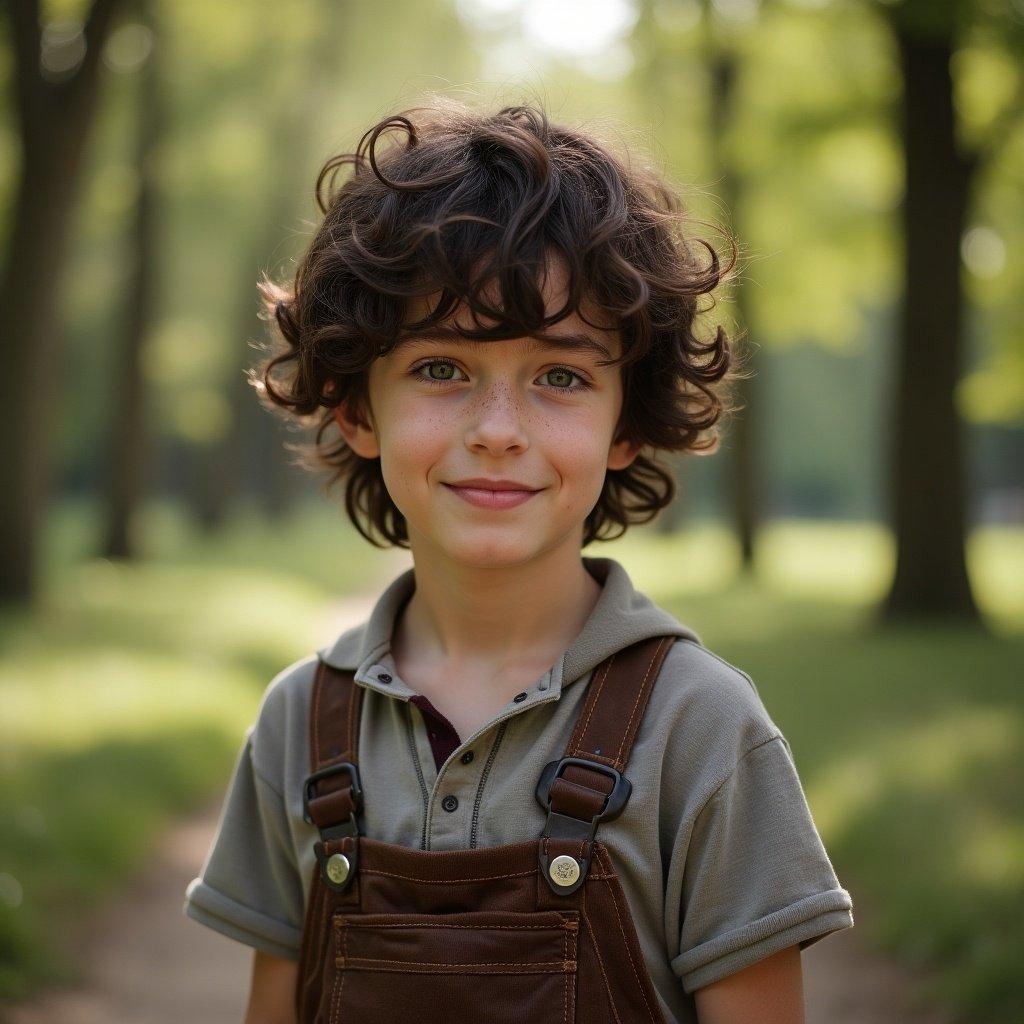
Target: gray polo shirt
[717, 852]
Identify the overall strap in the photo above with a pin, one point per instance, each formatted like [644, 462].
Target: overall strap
[332, 794]
[586, 786]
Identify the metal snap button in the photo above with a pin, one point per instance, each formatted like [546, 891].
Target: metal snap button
[337, 868]
[519, 698]
[384, 677]
[449, 803]
[467, 757]
[564, 870]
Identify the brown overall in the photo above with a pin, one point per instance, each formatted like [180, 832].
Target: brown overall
[537, 932]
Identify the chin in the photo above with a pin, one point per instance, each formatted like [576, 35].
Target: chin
[493, 552]
[490, 556]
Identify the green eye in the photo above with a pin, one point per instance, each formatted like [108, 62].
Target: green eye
[564, 371]
[445, 366]
[429, 378]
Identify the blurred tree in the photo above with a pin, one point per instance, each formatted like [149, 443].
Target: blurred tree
[745, 432]
[56, 87]
[815, 88]
[311, 75]
[127, 444]
[927, 486]
[653, 78]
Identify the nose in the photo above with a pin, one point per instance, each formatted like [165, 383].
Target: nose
[495, 420]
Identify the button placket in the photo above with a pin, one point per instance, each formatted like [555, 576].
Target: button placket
[442, 822]
[426, 755]
[456, 780]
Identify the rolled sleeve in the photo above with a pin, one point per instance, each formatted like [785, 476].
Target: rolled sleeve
[249, 887]
[757, 876]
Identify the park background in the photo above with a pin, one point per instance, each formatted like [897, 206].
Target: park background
[856, 543]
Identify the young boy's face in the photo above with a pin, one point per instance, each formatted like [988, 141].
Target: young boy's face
[443, 411]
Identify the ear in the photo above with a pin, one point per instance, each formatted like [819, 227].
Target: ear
[622, 453]
[361, 438]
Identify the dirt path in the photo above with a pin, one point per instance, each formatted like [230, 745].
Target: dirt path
[846, 984]
[149, 964]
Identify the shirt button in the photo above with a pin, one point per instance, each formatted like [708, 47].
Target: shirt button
[449, 803]
[433, 735]
[467, 757]
[384, 677]
[519, 698]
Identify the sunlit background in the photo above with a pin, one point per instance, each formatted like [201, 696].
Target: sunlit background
[856, 543]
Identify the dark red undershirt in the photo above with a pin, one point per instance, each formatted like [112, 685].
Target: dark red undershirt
[443, 737]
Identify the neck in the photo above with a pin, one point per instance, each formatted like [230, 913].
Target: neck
[461, 618]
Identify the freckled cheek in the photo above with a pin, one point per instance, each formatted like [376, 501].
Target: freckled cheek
[578, 454]
[413, 446]
[579, 463]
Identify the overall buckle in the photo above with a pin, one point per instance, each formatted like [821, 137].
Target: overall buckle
[565, 874]
[337, 869]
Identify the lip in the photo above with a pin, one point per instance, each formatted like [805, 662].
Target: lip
[486, 484]
[488, 497]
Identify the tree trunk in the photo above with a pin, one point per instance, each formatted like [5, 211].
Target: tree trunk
[927, 468]
[253, 430]
[127, 442]
[54, 121]
[742, 437]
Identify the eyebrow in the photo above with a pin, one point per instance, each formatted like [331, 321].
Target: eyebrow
[566, 342]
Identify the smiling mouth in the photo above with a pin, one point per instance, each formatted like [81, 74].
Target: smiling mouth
[484, 497]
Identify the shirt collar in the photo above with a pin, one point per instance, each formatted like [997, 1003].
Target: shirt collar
[622, 616]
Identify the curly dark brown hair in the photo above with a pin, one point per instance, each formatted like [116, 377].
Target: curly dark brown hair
[474, 200]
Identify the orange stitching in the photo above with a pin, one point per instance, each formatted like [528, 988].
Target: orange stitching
[593, 705]
[592, 694]
[574, 952]
[555, 965]
[317, 686]
[565, 960]
[354, 698]
[604, 974]
[636, 704]
[471, 927]
[322, 938]
[591, 756]
[615, 907]
[339, 978]
[640, 693]
[332, 1019]
[351, 738]
[333, 760]
[441, 881]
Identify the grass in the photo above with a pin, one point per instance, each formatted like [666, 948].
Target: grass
[124, 700]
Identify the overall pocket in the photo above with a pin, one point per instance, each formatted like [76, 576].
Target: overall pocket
[491, 967]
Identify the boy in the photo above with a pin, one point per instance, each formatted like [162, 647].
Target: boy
[497, 319]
